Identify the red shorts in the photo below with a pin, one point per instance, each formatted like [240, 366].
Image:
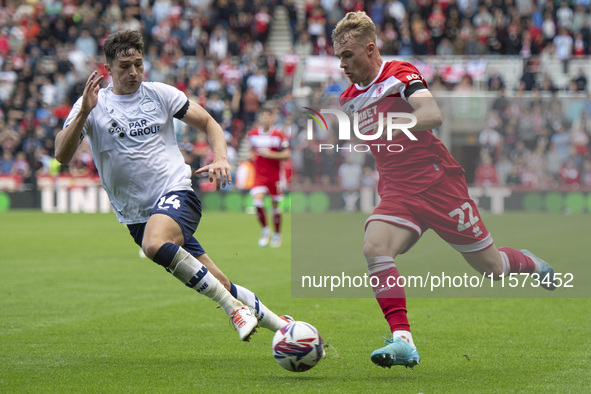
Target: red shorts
[445, 207]
[269, 187]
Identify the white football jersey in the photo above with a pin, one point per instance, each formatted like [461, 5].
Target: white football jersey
[134, 147]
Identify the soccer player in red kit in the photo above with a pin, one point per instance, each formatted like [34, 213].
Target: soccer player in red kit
[269, 147]
[421, 187]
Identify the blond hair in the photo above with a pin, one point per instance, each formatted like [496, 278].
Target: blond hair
[356, 25]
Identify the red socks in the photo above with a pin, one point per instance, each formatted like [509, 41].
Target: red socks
[390, 297]
[518, 262]
[261, 214]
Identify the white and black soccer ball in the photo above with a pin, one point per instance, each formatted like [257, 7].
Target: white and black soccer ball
[298, 346]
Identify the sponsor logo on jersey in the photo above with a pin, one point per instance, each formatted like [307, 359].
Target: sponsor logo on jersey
[137, 128]
[117, 130]
[142, 128]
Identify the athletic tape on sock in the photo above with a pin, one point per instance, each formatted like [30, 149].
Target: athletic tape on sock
[379, 263]
[506, 265]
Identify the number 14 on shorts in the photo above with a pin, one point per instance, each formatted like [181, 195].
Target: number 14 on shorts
[171, 201]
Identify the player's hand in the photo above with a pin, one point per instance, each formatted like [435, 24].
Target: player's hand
[219, 172]
[90, 95]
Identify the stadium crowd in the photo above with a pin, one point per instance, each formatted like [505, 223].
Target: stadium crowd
[217, 52]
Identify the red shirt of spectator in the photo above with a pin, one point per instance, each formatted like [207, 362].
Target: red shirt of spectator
[486, 175]
[569, 174]
[290, 62]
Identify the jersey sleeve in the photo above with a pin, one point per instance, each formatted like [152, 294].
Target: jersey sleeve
[173, 98]
[411, 78]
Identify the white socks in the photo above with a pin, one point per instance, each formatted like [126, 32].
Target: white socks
[267, 318]
[193, 274]
[404, 335]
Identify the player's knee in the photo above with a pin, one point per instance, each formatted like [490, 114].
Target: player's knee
[371, 249]
[258, 203]
[150, 248]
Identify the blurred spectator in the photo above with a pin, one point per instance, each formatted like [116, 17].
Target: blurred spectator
[217, 52]
[332, 87]
[258, 82]
[396, 11]
[504, 167]
[586, 173]
[86, 44]
[570, 175]
[495, 81]
[564, 15]
[561, 141]
[489, 138]
[290, 61]
[218, 43]
[6, 162]
[520, 152]
[528, 78]
[465, 85]
[21, 166]
[251, 104]
[486, 173]
[563, 43]
[350, 174]
[579, 140]
[581, 80]
[553, 161]
[514, 177]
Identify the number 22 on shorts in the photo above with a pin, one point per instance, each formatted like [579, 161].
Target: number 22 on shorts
[461, 213]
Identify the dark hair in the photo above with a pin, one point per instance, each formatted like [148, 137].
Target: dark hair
[122, 43]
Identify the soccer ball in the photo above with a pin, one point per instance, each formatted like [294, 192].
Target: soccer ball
[298, 346]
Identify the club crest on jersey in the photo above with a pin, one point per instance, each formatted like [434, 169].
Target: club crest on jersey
[380, 91]
[148, 105]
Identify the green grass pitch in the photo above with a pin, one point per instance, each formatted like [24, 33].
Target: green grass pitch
[80, 311]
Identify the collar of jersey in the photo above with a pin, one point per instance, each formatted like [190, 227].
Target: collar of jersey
[123, 97]
[359, 87]
[261, 131]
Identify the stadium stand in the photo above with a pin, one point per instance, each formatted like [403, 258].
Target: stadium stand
[214, 49]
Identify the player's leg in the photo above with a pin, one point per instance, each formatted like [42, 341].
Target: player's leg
[169, 227]
[451, 213]
[258, 200]
[276, 197]
[276, 237]
[267, 318]
[505, 260]
[382, 243]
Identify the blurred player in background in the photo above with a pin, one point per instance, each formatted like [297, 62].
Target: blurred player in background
[129, 126]
[269, 147]
[421, 187]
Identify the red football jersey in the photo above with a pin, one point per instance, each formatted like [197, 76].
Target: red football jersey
[419, 164]
[275, 140]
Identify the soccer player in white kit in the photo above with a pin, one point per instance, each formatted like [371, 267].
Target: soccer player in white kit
[129, 126]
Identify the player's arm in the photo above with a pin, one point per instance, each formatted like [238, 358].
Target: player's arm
[67, 140]
[219, 170]
[426, 110]
[277, 155]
